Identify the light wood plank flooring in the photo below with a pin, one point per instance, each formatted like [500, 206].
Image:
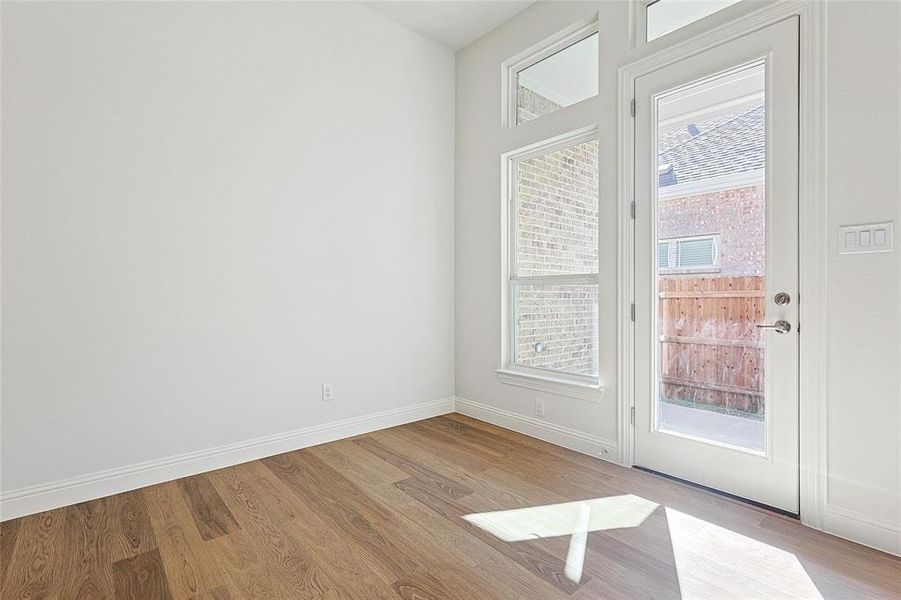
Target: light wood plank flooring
[449, 507]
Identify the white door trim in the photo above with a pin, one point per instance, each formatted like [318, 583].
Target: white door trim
[813, 233]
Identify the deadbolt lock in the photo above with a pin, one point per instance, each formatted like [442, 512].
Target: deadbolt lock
[781, 299]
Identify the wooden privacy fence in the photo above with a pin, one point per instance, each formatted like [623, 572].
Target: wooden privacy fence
[710, 350]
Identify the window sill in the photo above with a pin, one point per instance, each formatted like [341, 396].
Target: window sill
[560, 386]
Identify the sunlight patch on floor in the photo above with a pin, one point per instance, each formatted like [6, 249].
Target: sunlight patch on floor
[711, 561]
[553, 520]
[575, 519]
[714, 562]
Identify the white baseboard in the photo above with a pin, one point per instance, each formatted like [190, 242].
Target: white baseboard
[30, 500]
[861, 528]
[878, 533]
[538, 428]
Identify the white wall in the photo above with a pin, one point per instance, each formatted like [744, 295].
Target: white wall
[864, 381]
[209, 209]
[864, 376]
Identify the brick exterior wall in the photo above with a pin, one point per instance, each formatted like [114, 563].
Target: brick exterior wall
[557, 222]
[530, 105]
[557, 229]
[737, 215]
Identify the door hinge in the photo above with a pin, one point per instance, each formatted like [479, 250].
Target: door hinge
[632, 209]
[632, 312]
[632, 415]
[632, 107]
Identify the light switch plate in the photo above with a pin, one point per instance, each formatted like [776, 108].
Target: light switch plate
[865, 239]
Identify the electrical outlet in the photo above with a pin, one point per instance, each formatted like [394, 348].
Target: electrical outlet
[328, 392]
[539, 407]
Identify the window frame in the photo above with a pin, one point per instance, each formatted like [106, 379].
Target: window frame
[673, 249]
[511, 68]
[510, 371]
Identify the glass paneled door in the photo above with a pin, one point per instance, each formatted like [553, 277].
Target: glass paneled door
[716, 394]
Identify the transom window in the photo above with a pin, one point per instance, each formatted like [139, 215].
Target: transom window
[665, 16]
[560, 73]
[553, 257]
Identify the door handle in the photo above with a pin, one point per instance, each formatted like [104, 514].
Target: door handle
[780, 326]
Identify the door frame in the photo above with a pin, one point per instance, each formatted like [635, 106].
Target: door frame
[813, 233]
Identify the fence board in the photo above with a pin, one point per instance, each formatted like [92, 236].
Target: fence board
[710, 350]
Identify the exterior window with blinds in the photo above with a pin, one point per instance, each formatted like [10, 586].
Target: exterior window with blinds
[692, 255]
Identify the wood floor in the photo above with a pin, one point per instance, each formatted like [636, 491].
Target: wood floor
[425, 511]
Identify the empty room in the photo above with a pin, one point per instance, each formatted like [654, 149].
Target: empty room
[477, 299]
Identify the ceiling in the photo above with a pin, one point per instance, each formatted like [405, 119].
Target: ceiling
[451, 24]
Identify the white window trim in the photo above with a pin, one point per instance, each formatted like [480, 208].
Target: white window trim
[639, 19]
[546, 380]
[547, 47]
[552, 383]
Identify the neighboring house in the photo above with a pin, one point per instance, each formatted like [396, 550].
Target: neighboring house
[711, 216]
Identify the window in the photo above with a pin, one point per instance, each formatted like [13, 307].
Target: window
[550, 224]
[692, 255]
[558, 75]
[665, 16]
[553, 258]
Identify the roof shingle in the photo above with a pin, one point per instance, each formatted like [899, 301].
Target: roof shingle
[727, 144]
